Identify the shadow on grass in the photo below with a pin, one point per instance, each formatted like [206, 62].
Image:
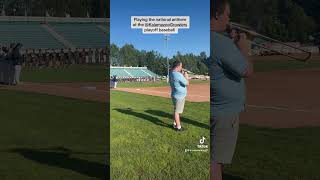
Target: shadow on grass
[230, 177]
[183, 119]
[60, 157]
[146, 117]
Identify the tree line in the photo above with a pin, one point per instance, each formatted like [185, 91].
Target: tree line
[128, 55]
[286, 20]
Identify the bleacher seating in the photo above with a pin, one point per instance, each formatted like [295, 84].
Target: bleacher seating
[33, 35]
[132, 72]
[30, 34]
[82, 35]
[119, 72]
[150, 72]
[138, 73]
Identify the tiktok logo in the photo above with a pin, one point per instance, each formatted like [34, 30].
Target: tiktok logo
[202, 145]
[202, 140]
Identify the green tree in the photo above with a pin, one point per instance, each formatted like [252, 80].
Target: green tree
[129, 56]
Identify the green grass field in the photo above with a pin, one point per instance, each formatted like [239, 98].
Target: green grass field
[49, 137]
[74, 73]
[143, 146]
[264, 153]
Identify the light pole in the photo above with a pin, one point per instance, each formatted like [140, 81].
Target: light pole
[166, 38]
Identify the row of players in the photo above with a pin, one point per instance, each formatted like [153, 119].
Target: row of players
[63, 57]
[132, 79]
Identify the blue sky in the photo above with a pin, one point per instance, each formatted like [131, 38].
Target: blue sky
[193, 40]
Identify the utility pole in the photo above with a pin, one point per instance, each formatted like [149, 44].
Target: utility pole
[166, 38]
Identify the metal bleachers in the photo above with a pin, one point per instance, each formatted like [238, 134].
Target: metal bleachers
[54, 32]
[138, 73]
[119, 73]
[30, 34]
[82, 35]
[133, 72]
[150, 72]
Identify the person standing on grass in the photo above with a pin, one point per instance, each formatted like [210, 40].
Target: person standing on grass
[179, 80]
[11, 64]
[61, 58]
[228, 66]
[114, 81]
[17, 62]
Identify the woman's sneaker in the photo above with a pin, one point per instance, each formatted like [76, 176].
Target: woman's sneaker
[174, 125]
[181, 129]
